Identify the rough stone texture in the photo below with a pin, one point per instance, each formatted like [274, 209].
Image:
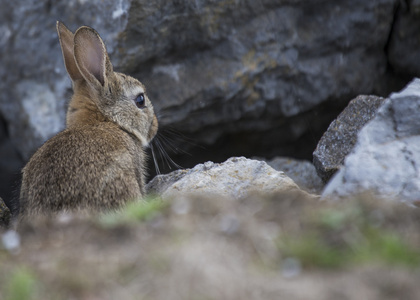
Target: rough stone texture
[403, 53]
[386, 158]
[254, 67]
[4, 214]
[341, 136]
[246, 64]
[235, 178]
[302, 172]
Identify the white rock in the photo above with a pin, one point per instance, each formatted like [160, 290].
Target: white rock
[235, 178]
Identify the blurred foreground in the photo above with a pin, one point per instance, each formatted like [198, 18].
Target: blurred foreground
[262, 247]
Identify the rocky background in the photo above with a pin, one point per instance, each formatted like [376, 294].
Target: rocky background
[228, 78]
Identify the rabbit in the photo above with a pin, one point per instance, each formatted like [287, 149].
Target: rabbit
[98, 162]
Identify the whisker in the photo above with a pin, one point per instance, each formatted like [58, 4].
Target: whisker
[162, 153]
[178, 135]
[168, 158]
[154, 159]
[165, 156]
[171, 144]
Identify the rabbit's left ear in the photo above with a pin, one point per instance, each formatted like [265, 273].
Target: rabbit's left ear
[66, 38]
[91, 56]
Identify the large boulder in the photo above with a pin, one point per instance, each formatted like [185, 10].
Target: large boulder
[211, 69]
[386, 158]
[236, 178]
[246, 72]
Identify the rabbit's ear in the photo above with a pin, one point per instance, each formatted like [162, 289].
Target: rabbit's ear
[91, 56]
[66, 38]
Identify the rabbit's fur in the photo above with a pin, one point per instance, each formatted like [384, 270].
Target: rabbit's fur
[98, 162]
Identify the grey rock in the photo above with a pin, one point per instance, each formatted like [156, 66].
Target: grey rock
[386, 158]
[259, 64]
[302, 172]
[235, 178]
[341, 136]
[4, 214]
[245, 66]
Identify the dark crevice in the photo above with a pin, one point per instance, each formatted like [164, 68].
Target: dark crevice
[9, 169]
[255, 143]
[399, 6]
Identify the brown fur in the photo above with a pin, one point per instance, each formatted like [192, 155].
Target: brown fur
[98, 162]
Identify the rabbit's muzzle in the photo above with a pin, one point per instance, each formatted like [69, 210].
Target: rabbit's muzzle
[153, 128]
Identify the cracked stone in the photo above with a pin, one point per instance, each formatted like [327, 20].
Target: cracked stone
[386, 157]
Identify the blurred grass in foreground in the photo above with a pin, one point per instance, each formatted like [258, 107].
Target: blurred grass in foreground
[134, 211]
[348, 234]
[21, 285]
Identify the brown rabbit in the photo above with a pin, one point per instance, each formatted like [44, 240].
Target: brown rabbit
[98, 162]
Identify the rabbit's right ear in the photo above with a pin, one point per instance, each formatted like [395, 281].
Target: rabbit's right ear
[91, 57]
[66, 38]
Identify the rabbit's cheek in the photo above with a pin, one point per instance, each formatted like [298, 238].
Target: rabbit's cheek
[153, 128]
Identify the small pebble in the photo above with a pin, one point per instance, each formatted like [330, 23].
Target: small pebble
[11, 241]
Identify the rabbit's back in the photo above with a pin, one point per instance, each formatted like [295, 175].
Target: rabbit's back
[84, 168]
[98, 162]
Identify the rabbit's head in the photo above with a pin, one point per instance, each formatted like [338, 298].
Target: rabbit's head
[100, 94]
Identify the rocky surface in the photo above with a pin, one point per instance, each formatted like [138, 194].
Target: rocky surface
[302, 172]
[236, 178]
[386, 158]
[341, 136]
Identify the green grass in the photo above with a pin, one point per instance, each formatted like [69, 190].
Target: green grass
[311, 252]
[349, 235]
[21, 285]
[386, 247]
[134, 212]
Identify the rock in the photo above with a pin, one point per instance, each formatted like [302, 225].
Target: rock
[247, 66]
[340, 138]
[386, 158]
[235, 178]
[4, 214]
[302, 172]
[260, 74]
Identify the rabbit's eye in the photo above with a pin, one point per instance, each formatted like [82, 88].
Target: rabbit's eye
[140, 101]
